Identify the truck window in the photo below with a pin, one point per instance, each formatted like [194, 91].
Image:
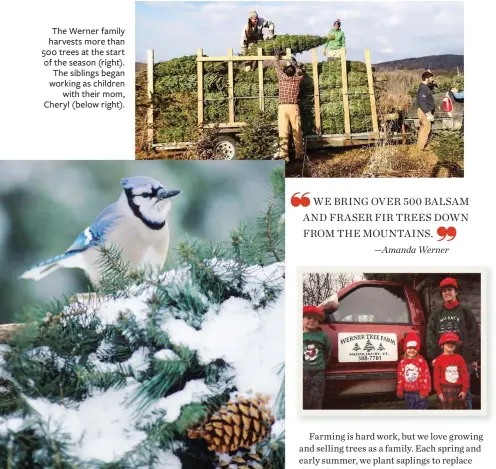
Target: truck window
[373, 304]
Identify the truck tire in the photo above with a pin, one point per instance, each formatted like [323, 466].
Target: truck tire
[227, 146]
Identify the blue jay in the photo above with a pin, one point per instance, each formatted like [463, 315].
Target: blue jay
[136, 225]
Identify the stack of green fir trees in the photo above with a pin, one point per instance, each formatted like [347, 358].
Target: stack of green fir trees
[176, 92]
[140, 364]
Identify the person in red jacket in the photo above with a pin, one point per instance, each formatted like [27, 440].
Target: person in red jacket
[414, 378]
[451, 378]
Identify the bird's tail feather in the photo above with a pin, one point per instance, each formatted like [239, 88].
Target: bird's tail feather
[44, 268]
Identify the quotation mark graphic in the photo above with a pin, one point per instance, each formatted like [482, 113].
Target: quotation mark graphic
[297, 201]
[444, 232]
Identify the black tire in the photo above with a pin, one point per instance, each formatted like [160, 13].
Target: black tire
[228, 146]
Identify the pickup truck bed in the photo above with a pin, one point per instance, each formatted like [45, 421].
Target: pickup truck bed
[448, 115]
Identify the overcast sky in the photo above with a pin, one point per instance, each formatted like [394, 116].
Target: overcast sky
[391, 30]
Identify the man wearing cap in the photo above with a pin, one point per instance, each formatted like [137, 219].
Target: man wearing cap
[459, 319]
[336, 41]
[289, 79]
[316, 353]
[253, 32]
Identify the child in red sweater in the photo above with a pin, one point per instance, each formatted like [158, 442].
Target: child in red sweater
[451, 378]
[414, 378]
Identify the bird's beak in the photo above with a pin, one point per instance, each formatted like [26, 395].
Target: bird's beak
[167, 194]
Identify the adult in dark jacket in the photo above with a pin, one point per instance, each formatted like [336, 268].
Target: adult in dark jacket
[426, 108]
[458, 318]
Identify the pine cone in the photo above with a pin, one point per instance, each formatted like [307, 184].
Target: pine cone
[240, 423]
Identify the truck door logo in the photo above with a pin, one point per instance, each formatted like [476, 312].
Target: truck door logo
[366, 347]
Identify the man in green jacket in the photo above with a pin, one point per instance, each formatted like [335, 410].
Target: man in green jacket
[458, 318]
[336, 42]
[316, 353]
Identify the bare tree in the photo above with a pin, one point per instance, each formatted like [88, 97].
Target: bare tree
[319, 286]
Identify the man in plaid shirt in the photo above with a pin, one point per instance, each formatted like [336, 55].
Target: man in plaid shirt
[289, 78]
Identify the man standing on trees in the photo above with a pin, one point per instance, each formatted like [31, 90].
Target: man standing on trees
[426, 108]
[336, 41]
[458, 318]
[253, 32]
[289, 79]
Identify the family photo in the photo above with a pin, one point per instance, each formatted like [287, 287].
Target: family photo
[392, 341]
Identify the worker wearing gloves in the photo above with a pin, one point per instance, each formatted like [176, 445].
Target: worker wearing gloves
[253, 32]
[336, 41]
[426, 108]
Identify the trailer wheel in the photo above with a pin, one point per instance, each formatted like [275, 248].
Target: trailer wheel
[227, 146]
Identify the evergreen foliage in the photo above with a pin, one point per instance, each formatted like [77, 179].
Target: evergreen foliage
[298, 44]
[258, 140]
[124, 348]
[175, 96]
[449, 146]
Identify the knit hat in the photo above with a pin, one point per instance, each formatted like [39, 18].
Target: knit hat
[448, 337]
[338, 22]
[253, 14]
[448, 282]
[313, 311]
[412, 340]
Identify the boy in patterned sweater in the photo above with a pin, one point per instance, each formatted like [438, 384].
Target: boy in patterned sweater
[414, 378]
[451, 378]
[316, 353]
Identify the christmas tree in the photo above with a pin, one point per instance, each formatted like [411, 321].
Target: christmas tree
[356, 348]
[180, 370]
[381, 347]
[368, 346]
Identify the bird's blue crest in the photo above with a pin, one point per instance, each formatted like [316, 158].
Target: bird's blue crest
[135, 182]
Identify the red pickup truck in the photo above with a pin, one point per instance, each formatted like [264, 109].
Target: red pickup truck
[367, 322]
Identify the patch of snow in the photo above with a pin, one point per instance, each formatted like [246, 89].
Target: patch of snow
[102, 424]
[166, 354]
[139, 359]
[11, 424]
[109, 311]
[194, 391]
[167, 460]
[251, 341]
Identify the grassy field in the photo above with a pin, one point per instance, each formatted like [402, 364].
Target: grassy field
[381, 161]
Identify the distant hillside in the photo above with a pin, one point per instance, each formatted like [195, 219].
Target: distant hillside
[432, 62]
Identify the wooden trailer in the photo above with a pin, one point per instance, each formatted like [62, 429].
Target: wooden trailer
[227, 141]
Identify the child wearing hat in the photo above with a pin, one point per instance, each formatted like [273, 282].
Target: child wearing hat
[451, 378]
[316, 353]
[458, 318]
[414, 378]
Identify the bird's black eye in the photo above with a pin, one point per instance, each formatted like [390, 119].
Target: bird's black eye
[146, 195]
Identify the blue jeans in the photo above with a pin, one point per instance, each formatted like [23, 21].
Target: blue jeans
[413, 401]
